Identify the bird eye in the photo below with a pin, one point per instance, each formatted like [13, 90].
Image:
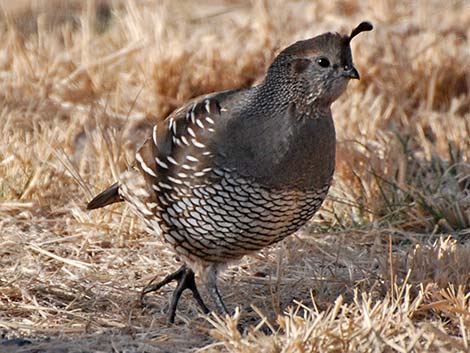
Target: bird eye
[323, 62]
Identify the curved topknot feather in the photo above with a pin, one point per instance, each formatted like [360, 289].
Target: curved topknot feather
[362, 27]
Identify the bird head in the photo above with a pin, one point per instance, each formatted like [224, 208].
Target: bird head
[321, 67]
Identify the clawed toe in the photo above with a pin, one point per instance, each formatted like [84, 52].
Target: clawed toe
[184, 277]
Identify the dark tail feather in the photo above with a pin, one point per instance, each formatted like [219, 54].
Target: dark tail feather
[105, 198]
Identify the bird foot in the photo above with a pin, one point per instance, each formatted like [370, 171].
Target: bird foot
[184, 277]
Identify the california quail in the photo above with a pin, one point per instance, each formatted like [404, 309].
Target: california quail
[232, 172]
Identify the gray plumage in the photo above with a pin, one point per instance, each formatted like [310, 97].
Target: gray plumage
[233, 172]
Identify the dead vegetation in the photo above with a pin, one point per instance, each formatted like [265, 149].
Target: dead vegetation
[384, 267]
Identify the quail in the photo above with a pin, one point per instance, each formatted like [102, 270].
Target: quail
[233, 172]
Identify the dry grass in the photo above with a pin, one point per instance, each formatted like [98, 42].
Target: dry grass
[383, 268]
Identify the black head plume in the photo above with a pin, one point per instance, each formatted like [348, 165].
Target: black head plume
[362, 27]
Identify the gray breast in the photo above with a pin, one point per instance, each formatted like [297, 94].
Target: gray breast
[281, 151]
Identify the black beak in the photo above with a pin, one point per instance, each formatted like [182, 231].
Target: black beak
[351, 73]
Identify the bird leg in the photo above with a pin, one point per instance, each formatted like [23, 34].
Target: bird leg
[184, 277]
[211, 285]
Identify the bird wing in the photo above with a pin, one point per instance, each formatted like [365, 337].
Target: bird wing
[180, 151]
